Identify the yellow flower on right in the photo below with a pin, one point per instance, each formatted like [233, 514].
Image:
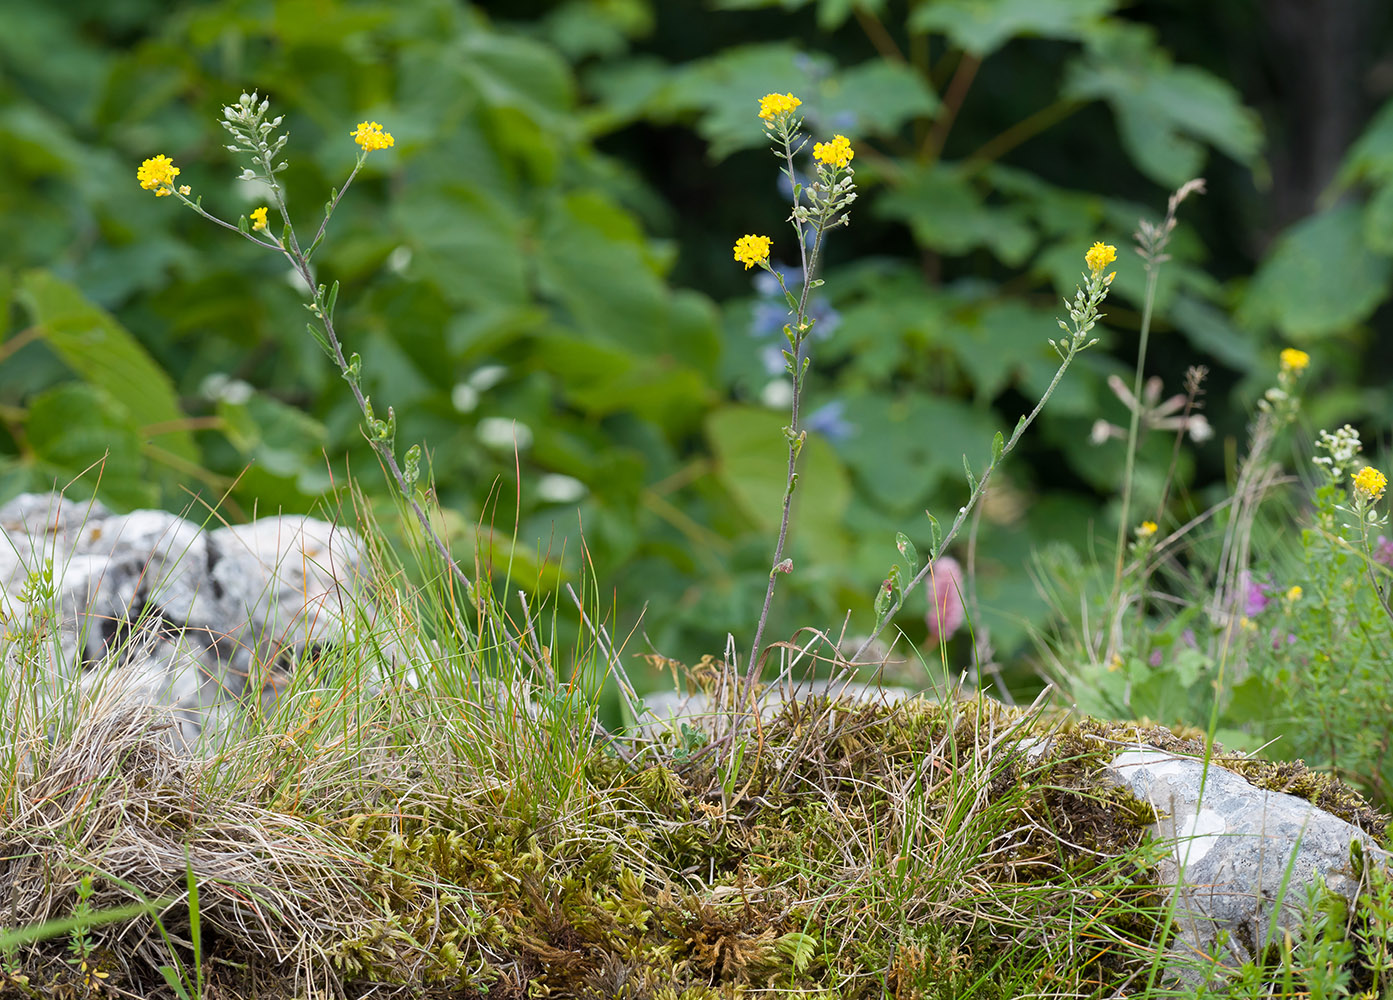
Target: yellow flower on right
[752, 250]
[1099, 256]
[775, 106]
[837, 153]
[1294, 360]
[157, 174]
[370, 136]
[1370, 482]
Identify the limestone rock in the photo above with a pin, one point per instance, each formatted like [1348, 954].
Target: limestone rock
[1241, 857]
[151, 608]
[670, 709]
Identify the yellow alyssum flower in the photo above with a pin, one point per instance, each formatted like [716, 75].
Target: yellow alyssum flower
[774, 106]
[185, 190]
[752, 250]
[157, 174]
[1294, 360]
[258, 217]
[370, 136]
[1370, 482]
[837, 153]
[1146, 529]
[1099, 256]
[1294, 594]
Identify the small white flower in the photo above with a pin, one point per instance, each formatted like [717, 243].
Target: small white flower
[487, 377]
[293, 279]
[556, 488]
[502, 433]
[1102, 430]
[219, 387]
[465, 397]
[399, 259]
[777, 394]
[1200, 428]
[236, 392]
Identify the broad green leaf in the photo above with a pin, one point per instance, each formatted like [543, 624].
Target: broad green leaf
[725, 89]
[580, 28]
[831, 14]
[903, 449]
[983, 26]
[1378, 220]
[1320, 279]
[600, 379]
[1165, 113]
[469, 245]
[103, 353]
[874, 98]
[281, 439]
[518, 73]
[593, 263]
[752, 462]
[1371, 157]
[947, 213]
[81, 432]
[1210, 330]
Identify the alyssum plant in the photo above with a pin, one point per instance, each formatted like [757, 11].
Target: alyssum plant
[255, 138]
[817, 208]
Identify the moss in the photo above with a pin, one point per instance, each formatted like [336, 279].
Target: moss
[846, 851]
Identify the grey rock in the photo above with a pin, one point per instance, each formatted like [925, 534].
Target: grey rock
[150, 608]
[1240, 858]
[669, 710]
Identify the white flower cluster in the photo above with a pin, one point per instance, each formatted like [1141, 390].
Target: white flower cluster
[1342, 448]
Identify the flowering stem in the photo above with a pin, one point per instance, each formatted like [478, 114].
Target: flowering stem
[1362, 510]
[1075, 346]
[797, 368]
[1153, 270]
[795, 443]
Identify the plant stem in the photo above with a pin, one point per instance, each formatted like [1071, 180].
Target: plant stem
[1076, 344]
[808, 261]
[1153, 270]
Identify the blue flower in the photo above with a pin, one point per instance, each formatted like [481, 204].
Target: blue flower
[827, 420]
[768, 318]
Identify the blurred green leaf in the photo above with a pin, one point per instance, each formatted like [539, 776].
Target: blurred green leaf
[983, 26]
[903, 449]
[82, 432]
[1320, 279]
[103, 353]
[1378, 220]
[947, 213]
[1370, 159]
[874, 98]
[1165, 113]
[752, 462]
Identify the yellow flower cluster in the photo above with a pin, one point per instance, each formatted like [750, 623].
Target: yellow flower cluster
[258, 217]
[752, 250]
[772, 107]
[1146, 529]
[1099, 256]
[370, 136]
[157, 174]
[1294, 594]
[1294, 360]
[1370, 482]
[837, 153]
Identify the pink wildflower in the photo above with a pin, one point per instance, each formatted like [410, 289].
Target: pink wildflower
[946, 612]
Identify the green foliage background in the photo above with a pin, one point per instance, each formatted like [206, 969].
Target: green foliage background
[566, 184]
